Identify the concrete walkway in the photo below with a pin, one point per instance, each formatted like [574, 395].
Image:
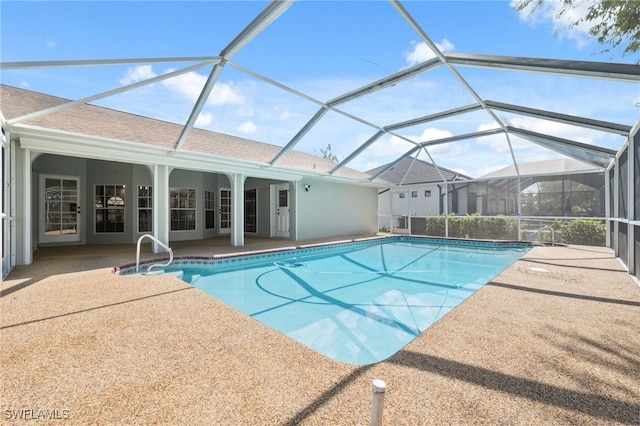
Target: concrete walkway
[553, 340]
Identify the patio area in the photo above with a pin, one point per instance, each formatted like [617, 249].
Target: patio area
[551, 340]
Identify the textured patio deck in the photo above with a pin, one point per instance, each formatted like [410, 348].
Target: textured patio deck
[552, 340]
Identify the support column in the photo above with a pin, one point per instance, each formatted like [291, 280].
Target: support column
[161, 214]
[27, 214]
[237, 209]
[632, 229]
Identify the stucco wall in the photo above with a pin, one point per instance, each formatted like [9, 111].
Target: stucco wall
[330, 209]
[327, 209]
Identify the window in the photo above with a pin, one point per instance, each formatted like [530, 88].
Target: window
[109, 208]
[401, 195]
[145, 209]
[427, 193]
[182, 204]
[414, 194]
[250, 210]
[209, 210]
[225, 209]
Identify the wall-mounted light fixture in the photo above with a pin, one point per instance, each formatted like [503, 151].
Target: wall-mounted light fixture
[307, 188]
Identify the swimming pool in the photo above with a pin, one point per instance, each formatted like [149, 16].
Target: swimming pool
[357, 303]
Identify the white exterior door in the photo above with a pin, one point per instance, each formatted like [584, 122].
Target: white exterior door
[224, 212]
[282, 211]
[60, 215]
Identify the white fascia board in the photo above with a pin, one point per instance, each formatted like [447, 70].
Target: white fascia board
[77, 145]
[43, 140]
[49, 141]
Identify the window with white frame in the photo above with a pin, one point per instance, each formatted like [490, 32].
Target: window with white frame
[145, 209]
[109, 208]
[401, 194]
[209, 209]
[182, 206]
[427, 193]
[414, 194]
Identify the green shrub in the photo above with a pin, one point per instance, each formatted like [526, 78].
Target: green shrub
[584, 232]
[473, 226]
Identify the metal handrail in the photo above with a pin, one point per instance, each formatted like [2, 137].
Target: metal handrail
[161, 244]
[553, 237]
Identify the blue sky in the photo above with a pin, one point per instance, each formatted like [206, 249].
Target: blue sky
[322, 49]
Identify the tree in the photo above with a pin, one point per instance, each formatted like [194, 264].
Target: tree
[612, 22]
[327, 154]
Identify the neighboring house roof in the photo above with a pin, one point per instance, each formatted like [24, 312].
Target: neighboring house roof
[419, 172]
[100, 122]
[556, 166]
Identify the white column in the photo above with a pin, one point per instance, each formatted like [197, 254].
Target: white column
[27, 214]
[13, 182]
[631, 184]
[608, 214]
[237, 209]
[161, 214]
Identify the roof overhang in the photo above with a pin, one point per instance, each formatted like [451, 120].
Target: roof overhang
[42, 140]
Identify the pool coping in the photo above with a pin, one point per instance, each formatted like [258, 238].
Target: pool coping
[130, 268]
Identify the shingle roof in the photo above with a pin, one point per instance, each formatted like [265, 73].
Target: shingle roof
[419, 172]
[103, 122]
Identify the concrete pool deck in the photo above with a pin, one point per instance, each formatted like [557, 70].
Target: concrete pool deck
[552, 340]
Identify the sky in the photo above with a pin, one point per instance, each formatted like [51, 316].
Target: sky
[323, 49]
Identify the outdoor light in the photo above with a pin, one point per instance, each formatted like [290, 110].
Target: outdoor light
[307, 188]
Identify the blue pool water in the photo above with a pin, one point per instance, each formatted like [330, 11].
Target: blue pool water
[357, 303]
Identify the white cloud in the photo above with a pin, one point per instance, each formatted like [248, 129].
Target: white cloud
[248, 127]
[224, 94]
[420, 52]
[24, 83]
[190, 85]
[204, 119]
[550, 11]
[135, 74]
[51, 43]
[392, 146]
[497, 142]
[388, 149]
[432, 133]
[284, 115]
[575, 133]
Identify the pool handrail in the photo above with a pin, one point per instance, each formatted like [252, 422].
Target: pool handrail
[553, 238]
[161, 244]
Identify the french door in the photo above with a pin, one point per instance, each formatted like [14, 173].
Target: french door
[60, 218]
[224, 212]
[282, 211]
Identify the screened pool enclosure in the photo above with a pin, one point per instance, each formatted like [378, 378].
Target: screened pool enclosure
[511, 141]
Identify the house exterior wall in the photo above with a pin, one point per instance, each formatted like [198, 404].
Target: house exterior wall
[98, 172]
[265, 202]
[391, 207]
[331, 209]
